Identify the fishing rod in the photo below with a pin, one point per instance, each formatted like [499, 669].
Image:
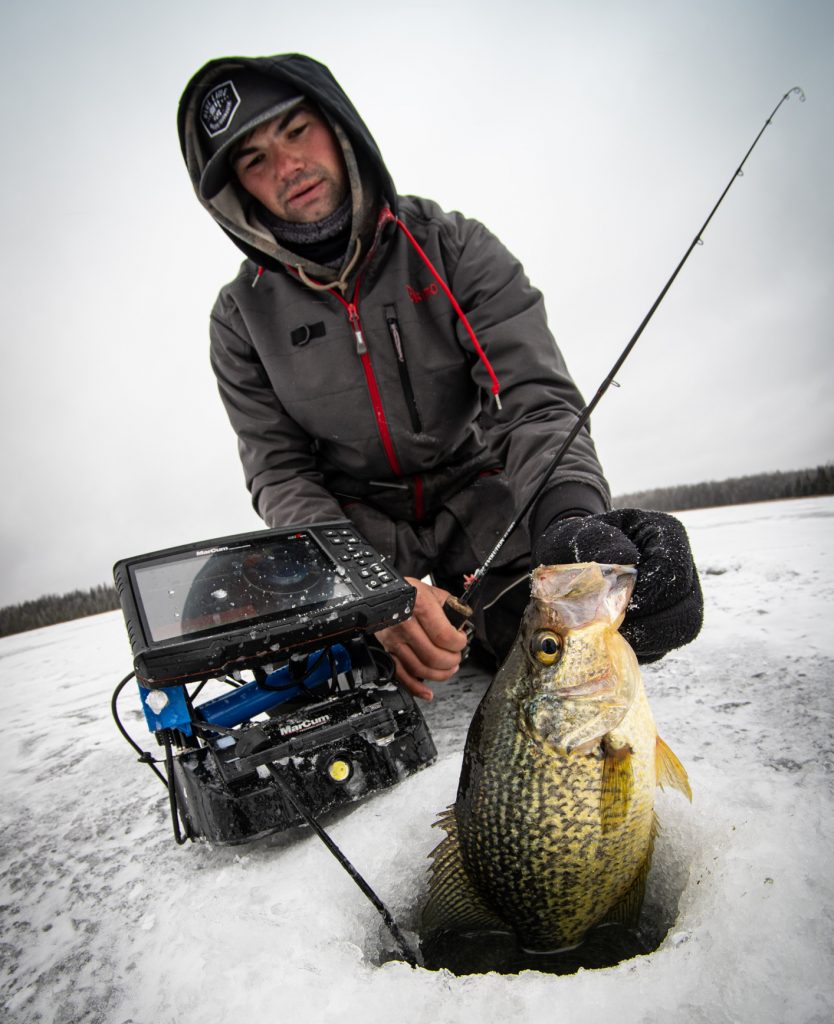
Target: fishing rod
[475, 582]
[458, 610]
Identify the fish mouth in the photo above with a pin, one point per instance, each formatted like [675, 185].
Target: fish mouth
[599, 686]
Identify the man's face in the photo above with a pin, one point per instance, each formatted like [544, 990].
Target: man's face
[293, 165]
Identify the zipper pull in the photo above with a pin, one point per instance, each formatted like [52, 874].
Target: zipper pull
[353, 316]
[395, 337]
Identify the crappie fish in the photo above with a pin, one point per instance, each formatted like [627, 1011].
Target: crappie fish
[552, 830]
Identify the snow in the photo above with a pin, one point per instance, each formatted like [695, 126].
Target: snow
[105, 919]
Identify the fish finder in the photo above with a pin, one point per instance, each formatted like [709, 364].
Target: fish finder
[217, 605]
[309, 716]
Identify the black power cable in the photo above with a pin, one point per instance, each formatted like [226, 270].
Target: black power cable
[179, 836]
[147, 758]
[144, 756]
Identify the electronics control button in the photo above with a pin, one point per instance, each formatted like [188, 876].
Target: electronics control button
[361, 561]
[364, 574]
[347, 557]
[376, 567]
[372, 584]
[385, 578]
[336, 540]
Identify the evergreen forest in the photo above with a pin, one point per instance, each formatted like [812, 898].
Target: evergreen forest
[801, 483]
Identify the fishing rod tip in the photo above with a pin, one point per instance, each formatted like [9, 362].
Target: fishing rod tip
[799, 92]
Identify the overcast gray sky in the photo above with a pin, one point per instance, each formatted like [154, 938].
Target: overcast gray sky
[592, 137]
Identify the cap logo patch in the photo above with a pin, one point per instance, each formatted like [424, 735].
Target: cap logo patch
[219, 108]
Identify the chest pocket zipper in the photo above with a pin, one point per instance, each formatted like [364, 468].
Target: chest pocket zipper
[402, 366]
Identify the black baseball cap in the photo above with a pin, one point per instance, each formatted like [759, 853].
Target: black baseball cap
[230, 108]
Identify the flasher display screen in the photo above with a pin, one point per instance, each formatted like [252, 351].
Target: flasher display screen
[208, 590]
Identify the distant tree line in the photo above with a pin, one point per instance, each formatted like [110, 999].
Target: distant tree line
[800, 483]
[53, 608]
[739, 490]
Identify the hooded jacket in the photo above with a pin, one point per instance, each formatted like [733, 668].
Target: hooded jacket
[371, 392]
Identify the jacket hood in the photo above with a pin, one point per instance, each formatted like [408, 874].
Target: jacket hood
[233, 209]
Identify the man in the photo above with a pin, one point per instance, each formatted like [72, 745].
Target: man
[387, 361]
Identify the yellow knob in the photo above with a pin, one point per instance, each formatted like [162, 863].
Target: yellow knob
[338, 770]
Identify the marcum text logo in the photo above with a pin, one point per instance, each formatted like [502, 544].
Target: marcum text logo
[304, 725]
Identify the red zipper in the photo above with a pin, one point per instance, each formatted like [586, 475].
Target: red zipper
[364, 357]
[370, 378]
[373, 389]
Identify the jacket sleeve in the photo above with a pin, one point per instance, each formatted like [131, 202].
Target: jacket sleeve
[539, 399]
[277, 455]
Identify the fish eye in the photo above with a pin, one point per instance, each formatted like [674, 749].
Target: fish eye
[546, 647]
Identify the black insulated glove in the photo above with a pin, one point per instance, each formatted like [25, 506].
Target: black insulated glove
[667, 608]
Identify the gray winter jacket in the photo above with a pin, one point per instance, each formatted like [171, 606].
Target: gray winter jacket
[374, 395]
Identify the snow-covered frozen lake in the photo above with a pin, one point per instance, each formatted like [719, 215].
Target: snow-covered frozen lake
[105, 919]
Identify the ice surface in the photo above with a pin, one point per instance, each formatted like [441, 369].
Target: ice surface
[105, 919]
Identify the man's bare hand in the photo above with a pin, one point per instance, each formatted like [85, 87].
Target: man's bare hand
[426, 646]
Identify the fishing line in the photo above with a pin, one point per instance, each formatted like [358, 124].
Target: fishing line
[583, 417]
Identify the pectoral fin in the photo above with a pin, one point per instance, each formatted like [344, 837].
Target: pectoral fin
[453, 904]
[617, 784]
[670, 772]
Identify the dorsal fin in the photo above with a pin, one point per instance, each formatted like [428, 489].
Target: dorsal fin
[453, 903]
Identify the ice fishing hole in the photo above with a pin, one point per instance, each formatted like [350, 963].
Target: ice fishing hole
[606, 947]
